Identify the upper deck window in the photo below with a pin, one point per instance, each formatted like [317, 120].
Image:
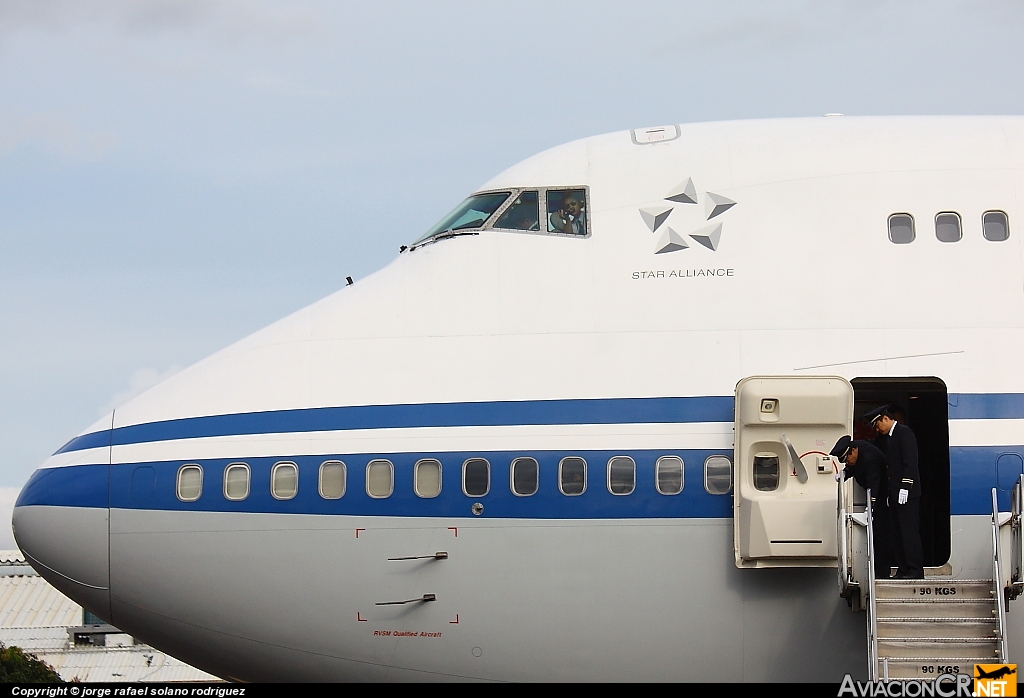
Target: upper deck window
[471, 213]
[947, 227]
[995, 226]
[901, 228]
[567, 211]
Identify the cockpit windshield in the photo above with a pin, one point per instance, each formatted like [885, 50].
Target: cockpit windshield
[549, 211]
[471, 213]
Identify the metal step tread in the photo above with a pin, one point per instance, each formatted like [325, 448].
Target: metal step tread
[937, 620]
[925, 599]
[940, 640]
[930, 580]
[943, 660]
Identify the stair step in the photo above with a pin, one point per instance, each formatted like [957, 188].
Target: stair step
[935, 608]
[926, 590]
[978, 649]
[937, 627]
[927, 667]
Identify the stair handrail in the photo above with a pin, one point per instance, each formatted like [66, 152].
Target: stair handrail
[997, 582]
[1017, 540]
[871, 610]
[843, 562]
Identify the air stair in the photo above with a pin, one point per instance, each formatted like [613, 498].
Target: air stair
[921, 628]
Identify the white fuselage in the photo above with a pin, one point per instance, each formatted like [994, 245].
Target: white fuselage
[507, 344]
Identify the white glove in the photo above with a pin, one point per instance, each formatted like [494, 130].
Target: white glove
[903, 496]
[839, 476]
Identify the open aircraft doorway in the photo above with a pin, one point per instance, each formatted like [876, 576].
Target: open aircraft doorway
[921, 404]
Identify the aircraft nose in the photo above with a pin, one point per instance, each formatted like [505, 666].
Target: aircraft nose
[61, 524]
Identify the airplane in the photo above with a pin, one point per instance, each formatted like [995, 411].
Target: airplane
[996, 673]
[579, 430]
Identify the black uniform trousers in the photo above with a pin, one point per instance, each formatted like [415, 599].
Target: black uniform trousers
[905, 534]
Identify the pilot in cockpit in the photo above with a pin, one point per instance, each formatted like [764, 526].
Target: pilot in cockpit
[569, 218]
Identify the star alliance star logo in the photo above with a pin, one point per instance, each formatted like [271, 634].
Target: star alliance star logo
[668, 239]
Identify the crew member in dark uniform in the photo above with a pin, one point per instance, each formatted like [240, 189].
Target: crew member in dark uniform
[866, 464]
[904, 493]
[898, 415]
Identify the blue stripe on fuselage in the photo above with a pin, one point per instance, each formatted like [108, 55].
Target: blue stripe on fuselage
[667, 410]
[72, 486]
[662, 410]
[972, 475]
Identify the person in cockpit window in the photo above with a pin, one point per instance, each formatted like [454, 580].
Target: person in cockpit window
[570, 216]
[866, 464]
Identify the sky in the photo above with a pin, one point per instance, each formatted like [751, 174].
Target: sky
[176, 174]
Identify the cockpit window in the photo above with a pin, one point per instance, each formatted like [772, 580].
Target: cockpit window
[523, 214]
[543, 210]
[567, 211]
[471, 213]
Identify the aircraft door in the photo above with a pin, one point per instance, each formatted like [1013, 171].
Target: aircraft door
[784, 507]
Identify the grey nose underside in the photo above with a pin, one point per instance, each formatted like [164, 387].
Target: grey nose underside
[68, 546]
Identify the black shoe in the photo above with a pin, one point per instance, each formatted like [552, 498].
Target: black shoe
[910, 575]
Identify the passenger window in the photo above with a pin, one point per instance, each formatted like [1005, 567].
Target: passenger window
[995, 225]
[236, 482]
[333, 477]
[572, 476]
[621, 475]
[190, 482]
[476, 477]
[947, 227]
[523, 214]
[668, 475]
[284, 480]
[567, 212]
[380, 478]
[426, 478]
[524, 476]
[766, 472]
[717, 475]
[901, 228]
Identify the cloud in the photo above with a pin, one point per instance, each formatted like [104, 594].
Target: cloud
[142, 379]
[56, 134]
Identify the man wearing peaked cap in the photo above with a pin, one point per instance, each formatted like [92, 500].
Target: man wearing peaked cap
[904, 493]
[866, 464]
